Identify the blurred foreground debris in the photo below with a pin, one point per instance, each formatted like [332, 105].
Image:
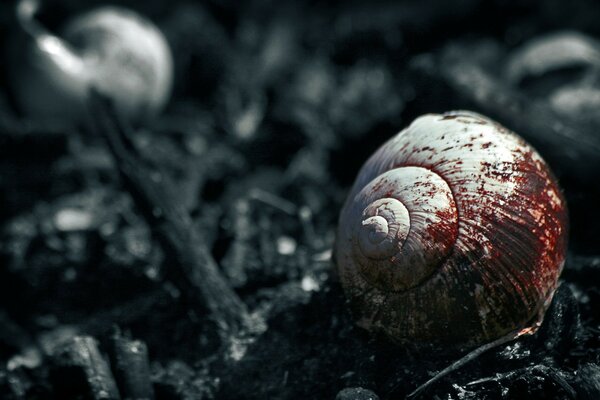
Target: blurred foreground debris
[192, 266]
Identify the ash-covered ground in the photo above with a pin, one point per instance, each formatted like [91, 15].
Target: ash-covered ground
[275, 108]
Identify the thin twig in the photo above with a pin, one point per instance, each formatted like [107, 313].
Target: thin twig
[548, 371]
[462, 362]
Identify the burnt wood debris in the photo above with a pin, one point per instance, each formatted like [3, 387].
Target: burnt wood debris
[189, 254]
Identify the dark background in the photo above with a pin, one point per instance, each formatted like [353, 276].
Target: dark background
[323, 84]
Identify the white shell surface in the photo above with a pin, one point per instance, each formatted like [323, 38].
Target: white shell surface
[126, 57]
[430, 218]
[553, 51]
[510, 226]
[116, 50]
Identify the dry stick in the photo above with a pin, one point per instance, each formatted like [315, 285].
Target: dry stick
[130, 366]
[79, 361]
[195, 270]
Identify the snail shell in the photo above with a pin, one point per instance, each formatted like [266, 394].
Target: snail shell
[555, 51]
[454, 234]
[575, 94]
[114, 49]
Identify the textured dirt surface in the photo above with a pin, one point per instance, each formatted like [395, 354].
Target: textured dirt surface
[275, 108]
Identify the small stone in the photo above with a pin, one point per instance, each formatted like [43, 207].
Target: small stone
[356, 393]
[286, 245]
[72, 219]
[309, 284]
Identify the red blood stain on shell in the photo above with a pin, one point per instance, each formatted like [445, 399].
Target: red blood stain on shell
[508, 247]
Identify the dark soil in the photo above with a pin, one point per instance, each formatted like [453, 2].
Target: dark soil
[275, 108]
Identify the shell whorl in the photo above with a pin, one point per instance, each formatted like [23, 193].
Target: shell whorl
[383, 228]
[407, 227]
[454, 232]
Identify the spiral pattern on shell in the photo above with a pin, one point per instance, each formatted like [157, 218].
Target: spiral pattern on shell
[454, 233]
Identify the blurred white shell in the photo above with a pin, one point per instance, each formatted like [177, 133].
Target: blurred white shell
[577, 97]
[454, 233]
[114, 49]
[575, 100]
[550, 52]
